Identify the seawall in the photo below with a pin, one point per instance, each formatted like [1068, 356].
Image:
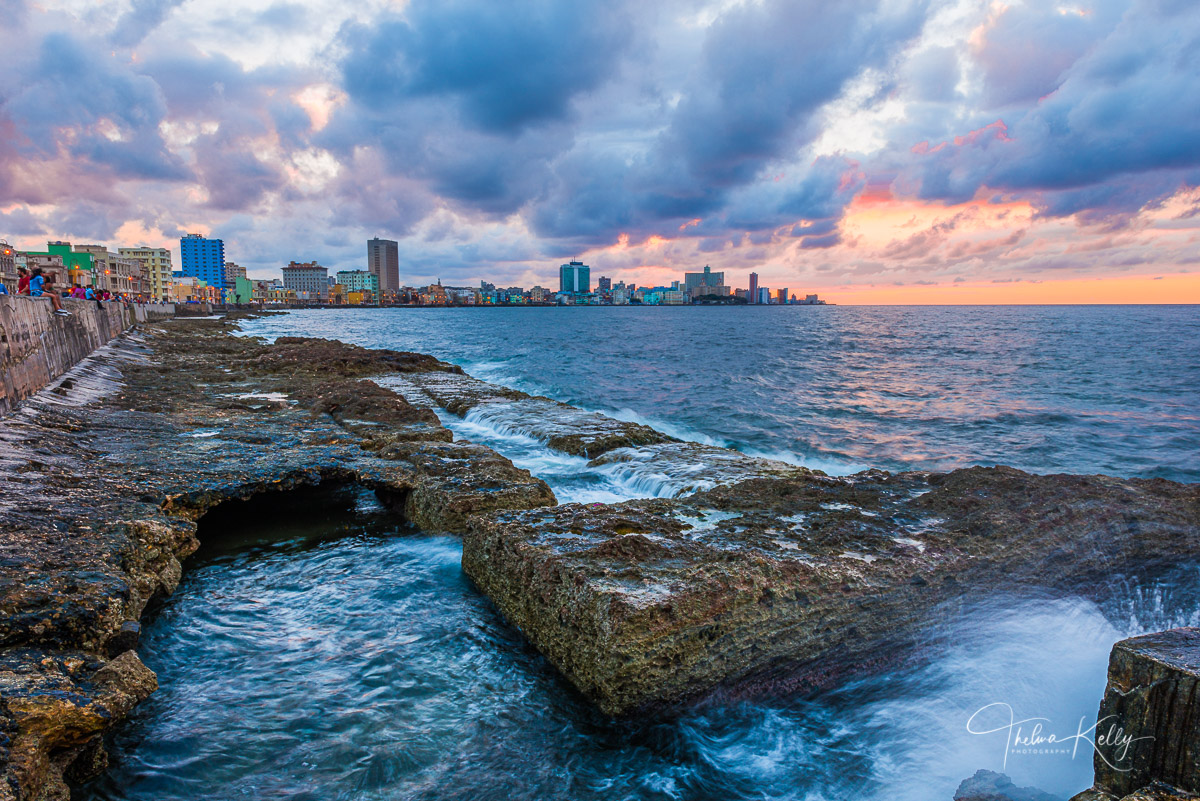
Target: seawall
[37, 346]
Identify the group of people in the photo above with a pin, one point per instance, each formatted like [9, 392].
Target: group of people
[37, 284]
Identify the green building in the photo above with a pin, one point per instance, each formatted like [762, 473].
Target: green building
[80, 267]
[243, 290]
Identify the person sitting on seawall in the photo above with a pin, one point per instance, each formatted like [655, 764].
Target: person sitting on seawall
[3, 289]
[78, 292]
[37, 288]
[22, 281]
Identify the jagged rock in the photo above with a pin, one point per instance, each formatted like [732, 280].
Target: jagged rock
[378, 414]
[1148, 729]
[987, 785]
[56, 704]
[793, 583]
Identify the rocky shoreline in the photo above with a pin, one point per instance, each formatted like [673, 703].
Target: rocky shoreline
[104, 475]
[765, 578]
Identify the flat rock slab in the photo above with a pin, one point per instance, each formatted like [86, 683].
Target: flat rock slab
[784, 584]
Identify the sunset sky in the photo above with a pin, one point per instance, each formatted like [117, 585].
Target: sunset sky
[875, 151]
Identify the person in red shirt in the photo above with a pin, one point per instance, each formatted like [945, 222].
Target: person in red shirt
[22, 281]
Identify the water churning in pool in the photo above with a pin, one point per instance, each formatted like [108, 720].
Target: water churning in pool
[347, 658]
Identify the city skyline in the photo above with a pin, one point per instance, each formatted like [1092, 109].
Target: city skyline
[875, 152]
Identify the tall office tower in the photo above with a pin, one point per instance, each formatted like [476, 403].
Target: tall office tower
[575, 277]
[754, 287]
[383, 259]
[204, 259]
[603, 284]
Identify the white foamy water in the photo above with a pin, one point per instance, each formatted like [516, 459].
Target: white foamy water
[1043, 389]
[572, 480]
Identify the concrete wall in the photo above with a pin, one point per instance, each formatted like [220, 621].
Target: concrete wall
[37, 346]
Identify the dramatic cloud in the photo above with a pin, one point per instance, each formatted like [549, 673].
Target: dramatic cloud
[821, 144]
[1114, 129]
[507, 65]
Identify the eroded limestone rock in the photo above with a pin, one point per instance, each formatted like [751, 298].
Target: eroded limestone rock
[1148, 727]
[799, 582]
[55, 706]
[99, 498]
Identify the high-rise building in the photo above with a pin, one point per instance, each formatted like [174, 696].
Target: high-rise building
[781, 296]
[753, 295]
[203, 258]
[764, 296]
[309, 278]
[383, 259]
[156, 267]
[575, 277]
[603, 284]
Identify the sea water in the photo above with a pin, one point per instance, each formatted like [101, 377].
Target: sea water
[318, 659]
[1049, 389]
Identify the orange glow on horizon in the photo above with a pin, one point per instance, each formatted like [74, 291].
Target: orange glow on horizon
[1177, 288]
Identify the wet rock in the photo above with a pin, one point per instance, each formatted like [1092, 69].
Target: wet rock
[375, 413]
[101, 487]
[562, 427]
[988, 785]
[786, 584]
[457, 394]
[56, 704]
[680, 468]
[290, 354]
[1148, 731]
[126, 638]
[458, 480]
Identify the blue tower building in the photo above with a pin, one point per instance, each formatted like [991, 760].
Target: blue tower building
[203, 258]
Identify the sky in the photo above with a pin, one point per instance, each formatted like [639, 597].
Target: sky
[874, 151]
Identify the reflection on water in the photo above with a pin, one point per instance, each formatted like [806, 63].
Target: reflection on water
[1075, 389]
[349, 660]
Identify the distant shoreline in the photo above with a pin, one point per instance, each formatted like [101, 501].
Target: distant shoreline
[247, 307]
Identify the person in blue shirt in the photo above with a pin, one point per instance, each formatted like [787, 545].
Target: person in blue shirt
[37, 289]
[3, 289]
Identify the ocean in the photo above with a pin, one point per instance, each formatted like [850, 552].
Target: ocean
[1048, 389]
[348, 658]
